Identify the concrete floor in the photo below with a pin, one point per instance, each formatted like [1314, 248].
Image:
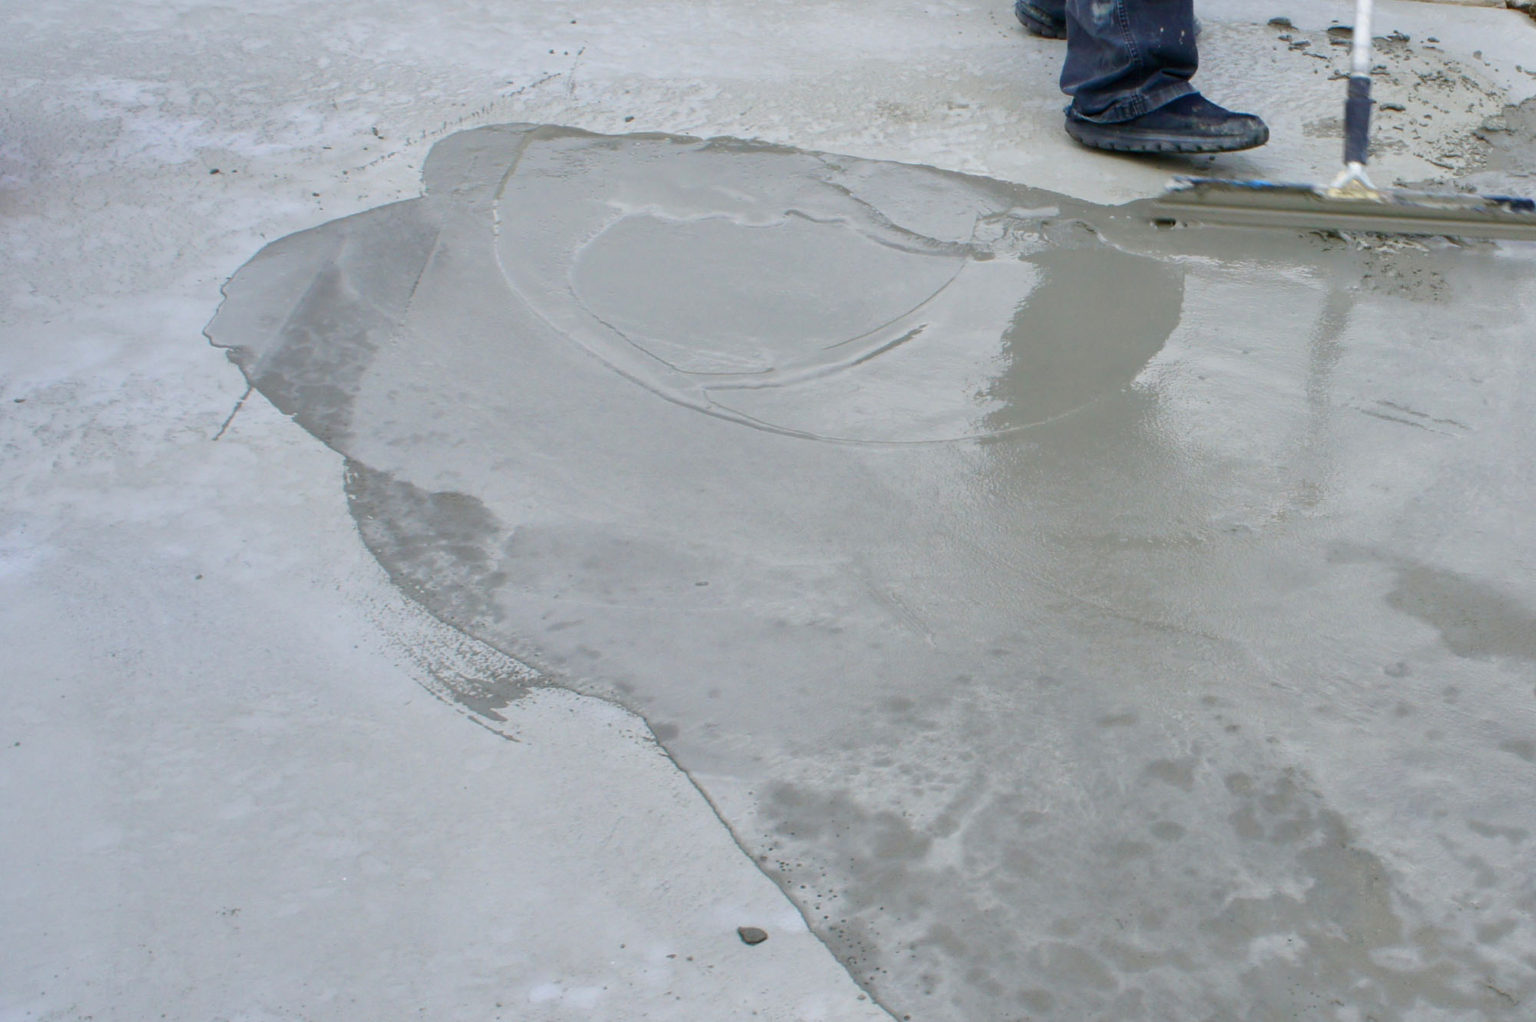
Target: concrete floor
[229, 793]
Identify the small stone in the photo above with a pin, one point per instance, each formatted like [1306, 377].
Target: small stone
[751, 935]
[1280, 22]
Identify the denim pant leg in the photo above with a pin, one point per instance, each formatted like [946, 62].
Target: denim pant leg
[1128, 57]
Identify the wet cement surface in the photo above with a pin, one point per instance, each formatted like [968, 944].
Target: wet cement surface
[1078, 619]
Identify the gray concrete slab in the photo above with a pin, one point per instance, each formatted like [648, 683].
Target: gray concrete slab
[1053, 664]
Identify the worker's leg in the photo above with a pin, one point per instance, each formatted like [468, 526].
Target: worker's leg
[1126, 58]
[1128, 70]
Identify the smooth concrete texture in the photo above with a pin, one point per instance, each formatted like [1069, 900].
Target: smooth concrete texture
[1258, 632]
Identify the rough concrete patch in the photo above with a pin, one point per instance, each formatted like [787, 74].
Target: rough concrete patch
[1511, 139]
[1423, 95]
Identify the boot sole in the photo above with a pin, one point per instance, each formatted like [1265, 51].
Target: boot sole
[1037, 26]
[1096, 136]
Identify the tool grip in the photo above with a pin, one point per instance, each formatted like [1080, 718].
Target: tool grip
[1357, 120]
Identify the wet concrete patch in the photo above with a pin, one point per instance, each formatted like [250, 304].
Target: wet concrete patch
[976, 549]
[1473, 619]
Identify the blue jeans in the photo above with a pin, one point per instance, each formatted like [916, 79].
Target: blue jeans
[1125, 58]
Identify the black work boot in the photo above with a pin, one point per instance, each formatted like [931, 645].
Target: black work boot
[1040, 21]
[1190, 124]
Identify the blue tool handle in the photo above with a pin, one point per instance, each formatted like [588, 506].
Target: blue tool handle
[1357, 120]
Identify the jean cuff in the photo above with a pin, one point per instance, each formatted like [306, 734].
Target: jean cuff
[1133, 106]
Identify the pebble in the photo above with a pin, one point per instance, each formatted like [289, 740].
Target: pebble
[751, 935]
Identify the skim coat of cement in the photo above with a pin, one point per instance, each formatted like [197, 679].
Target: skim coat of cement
[1069, 613]
[225, 796]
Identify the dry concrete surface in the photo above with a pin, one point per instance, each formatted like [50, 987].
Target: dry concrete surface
[575, 554]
